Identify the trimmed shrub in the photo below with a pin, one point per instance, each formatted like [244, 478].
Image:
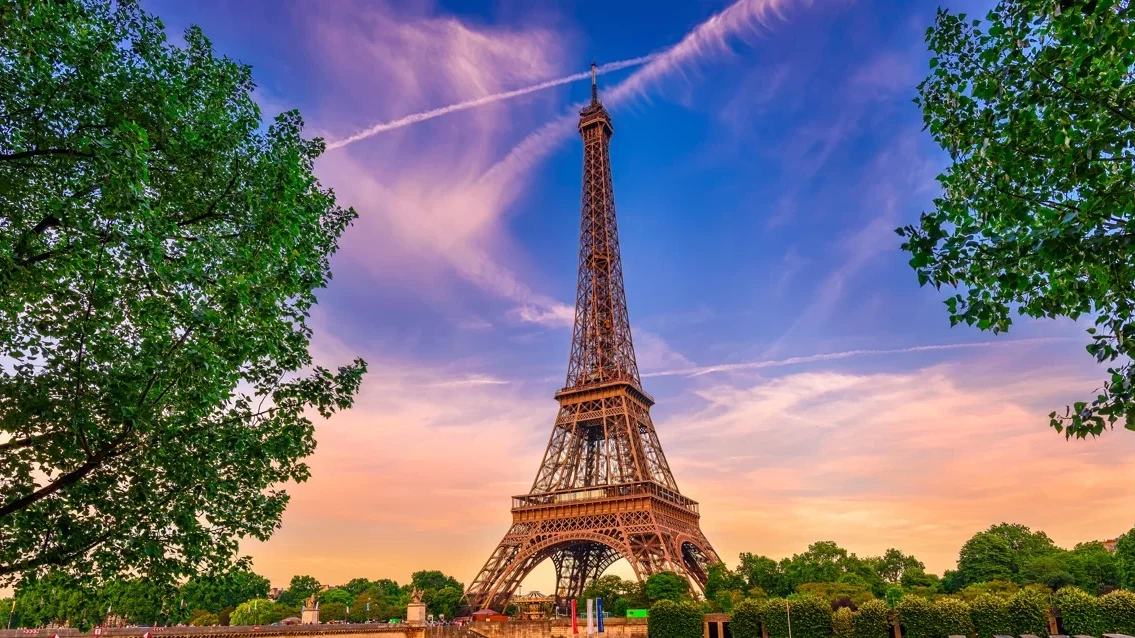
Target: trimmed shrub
[990, 614]
[1079, 612]
[746, 619]
[843, 623]
[1118, 611]
[669, 619]
[1028, 611]
[954, 617]
[871, 620]
[775, 617]
[811, 617]
[919, 617]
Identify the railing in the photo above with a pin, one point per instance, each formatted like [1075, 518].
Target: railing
[645, 488]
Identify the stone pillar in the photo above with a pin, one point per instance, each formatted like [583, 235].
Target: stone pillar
[310, 615]
[416, 614]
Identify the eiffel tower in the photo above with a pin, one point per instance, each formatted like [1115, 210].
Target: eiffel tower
[604, 490]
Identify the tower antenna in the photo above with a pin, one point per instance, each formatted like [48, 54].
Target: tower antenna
[594, 83]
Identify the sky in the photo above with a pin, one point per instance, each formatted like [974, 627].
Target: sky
[807, 388]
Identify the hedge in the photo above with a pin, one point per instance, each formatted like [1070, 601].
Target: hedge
[746, 619]
[775, 617]
[918, 617]
[1118, 612]
[1079, 612]
[669, 619]
[843, 623]
[954, 617]
[871, 620]
[990, 614]
[1028, 610]
[811, 617]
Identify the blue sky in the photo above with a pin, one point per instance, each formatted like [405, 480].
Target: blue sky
[758, 179]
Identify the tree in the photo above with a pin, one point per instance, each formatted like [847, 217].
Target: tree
[720, 578]
[1051, 570]
[303, 587]
[1125, 559]
[1037, 111]
[259, 611]
[214, 592]
[666, 586]
[1094, 567]
[1000, 553]
[332, 611]
[357, 586]
[761, 571]
[335, 595]
[444, 601]
[433, 579]
[893, 565]
[159, 255]
[824, 562]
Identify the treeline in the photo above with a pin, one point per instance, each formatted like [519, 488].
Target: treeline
[1032, 610]
[1000, 560]
[238, 596]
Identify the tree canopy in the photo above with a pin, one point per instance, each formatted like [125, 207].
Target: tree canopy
[1036, 108]
[159, 257]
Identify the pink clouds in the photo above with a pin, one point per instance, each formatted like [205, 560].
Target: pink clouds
[917, 460]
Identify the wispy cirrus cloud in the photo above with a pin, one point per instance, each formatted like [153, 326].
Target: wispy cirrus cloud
[697, 371]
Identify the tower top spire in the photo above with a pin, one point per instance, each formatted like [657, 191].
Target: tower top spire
[594, 83]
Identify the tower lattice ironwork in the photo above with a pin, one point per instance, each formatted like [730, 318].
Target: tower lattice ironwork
[604, 490]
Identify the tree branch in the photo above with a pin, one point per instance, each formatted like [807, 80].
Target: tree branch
[27, 442]
[66, 152]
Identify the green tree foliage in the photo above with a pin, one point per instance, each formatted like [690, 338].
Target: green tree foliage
[1118, 611]
[894, 566]
[1001, 553]
[722, 579]
[227, 589]
[357, 586]
[333, 611]
[334, 595]
[811, 617]
[1079, 611]
[1028, 610]
[843, 623]
[990, 614]
[871, 620]
[1125, 559]
[954, 617]
[999, 588]
[666, 586]
[1094, 567]
[433, 579]
[303, 587]
[204, 619]
[670, 619]
[919, 617]
[618, 594]
[746, 619]
[1036, 108]
[6, 607]
[445, 601]
[761, 571]
[1053, 570]
[159, 257]
[259, 611]
[831, 592]
[775, 614]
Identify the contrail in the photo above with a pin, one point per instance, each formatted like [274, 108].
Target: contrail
[488, 99]
[829, 356]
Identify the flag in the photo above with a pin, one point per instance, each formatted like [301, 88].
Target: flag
[590, 615]
[574, 615]
[599, 612]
